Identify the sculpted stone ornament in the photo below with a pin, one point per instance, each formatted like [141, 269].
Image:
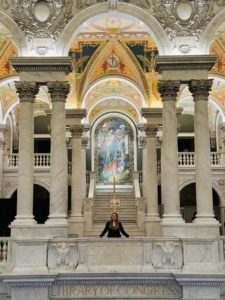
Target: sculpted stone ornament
[183, 21]
[26, 90]
[58, 90]
[167, 255]
[63, 256]
[168, 89]
[112, 3]
[200, 89]
[42, 21]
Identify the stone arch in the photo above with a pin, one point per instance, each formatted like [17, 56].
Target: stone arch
[42, 184]
[18, 36]
[114, 97]
[153, 27]
[209, 33]
[108, 78]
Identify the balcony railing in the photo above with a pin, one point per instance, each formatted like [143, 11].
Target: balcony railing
[185, 159]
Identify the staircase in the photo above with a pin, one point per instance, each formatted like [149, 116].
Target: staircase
[102, 211]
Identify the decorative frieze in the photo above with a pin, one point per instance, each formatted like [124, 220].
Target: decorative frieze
[200, 89]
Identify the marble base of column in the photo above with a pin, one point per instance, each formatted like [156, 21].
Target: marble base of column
[172, 219]
[205, 219]
[153, 226]
[59, 220]
[76, 226]
[24, 220]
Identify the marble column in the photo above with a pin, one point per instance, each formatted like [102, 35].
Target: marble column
[169, 158]
[58, 171]
[3, 131]
[200, 90]
[150, 182]
[27, 92]
[78, 180]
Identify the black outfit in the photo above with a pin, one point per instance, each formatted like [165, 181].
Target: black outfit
[114, 232]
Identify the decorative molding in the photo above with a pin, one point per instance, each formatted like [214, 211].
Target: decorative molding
[85, 3]
[24, 15]
[188, 62]
[43, 64]
[183, 30]
[78, 113]
[42, 33]
[77, 131]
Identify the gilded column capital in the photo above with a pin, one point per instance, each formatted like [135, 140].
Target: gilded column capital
[26, 90]
[200, 88]
[58, 90]
[168, 89]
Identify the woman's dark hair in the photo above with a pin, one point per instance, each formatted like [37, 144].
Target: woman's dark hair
[116, 221]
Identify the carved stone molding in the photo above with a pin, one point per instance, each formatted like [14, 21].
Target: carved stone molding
[42, 64]
[112, 3]
[26, 90]
[42, 32]
[183, 30]
[187, 62]
[169, 89]
[200, 89]
[58, 90]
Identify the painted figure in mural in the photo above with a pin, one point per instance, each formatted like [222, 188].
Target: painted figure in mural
[114, 227]
[113, 150]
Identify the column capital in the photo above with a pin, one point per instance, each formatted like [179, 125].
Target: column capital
[200, 88]
[77, 131]
[169, 89]
[150, 130]
[58, 90]
[26, 90]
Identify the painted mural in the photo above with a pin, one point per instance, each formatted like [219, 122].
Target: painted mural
[114, 151]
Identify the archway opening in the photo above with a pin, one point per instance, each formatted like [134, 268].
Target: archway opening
[41, 204]
[188, 203]
[7, 213]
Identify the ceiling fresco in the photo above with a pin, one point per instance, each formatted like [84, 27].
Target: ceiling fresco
[112, 48]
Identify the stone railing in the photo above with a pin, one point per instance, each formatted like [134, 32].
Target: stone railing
[41, 160]
[187, 159]
[4, 252]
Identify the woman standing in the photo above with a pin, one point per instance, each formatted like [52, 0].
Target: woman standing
[114, 227]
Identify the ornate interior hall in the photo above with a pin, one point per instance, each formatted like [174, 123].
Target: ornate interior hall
[112, 106]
